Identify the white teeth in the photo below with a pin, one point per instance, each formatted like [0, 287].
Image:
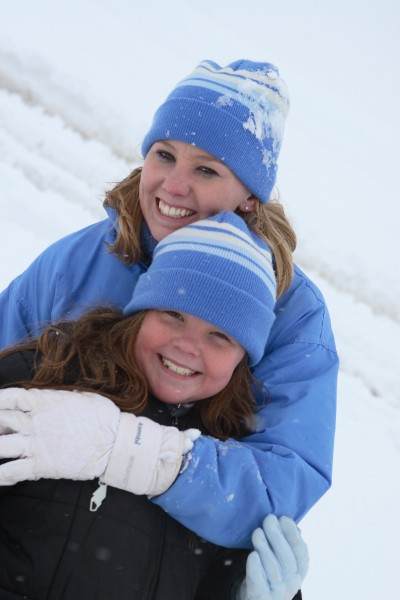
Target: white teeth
[180, 370]
[172, 211]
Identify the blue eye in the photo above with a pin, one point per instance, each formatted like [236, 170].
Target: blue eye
[222, 336]
[164, 155]
[173, 314]
[207, 171]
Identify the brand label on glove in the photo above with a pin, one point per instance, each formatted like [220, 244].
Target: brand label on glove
[139, 434]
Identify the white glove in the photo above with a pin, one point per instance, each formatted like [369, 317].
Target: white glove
[146, 457]
[277, 567]
[57, 434]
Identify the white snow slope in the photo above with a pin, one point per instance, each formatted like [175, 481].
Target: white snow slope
[79, 82]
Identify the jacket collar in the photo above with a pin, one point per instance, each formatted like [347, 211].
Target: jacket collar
[147, 242]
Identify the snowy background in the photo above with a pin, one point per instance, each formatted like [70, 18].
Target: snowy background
[79, 82]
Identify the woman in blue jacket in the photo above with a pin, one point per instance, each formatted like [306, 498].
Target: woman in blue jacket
[87, 539]
[213, 145]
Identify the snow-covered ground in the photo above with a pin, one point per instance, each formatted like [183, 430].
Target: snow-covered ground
[79, 82]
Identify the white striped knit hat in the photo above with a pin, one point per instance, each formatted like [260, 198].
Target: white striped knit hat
[236, 113]
[217, 270]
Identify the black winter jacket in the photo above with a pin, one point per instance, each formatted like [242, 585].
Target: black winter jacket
[52, 547]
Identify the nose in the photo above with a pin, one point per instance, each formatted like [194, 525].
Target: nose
[176, 182]
[188, 342]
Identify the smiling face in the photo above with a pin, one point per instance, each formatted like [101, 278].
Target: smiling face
[184, 359]
[181, 184]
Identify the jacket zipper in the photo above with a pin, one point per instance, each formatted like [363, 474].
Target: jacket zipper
[174, 416]
[98, 496]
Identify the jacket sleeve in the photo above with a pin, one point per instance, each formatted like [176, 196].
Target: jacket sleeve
[71, 275]
[26, 303]
[29, 300]
[285, 465]
[47, 290]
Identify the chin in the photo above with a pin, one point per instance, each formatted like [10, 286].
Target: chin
[175, 401]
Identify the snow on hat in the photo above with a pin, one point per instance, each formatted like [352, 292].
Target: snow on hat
[236, 113]
[215, 269]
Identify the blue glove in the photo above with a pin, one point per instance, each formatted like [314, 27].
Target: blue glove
[278, 565]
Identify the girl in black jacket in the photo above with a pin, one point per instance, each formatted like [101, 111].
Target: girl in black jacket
[70, 540]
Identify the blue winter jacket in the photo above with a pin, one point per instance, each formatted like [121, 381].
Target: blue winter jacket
[285, 466]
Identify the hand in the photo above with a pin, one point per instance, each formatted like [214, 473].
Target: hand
[56, 434]
[277, 567]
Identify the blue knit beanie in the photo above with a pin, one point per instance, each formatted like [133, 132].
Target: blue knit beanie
[236, 113]
[215, 269]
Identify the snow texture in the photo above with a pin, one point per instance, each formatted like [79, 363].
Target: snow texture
[79, 83]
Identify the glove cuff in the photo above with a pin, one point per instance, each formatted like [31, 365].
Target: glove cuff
[146, 457]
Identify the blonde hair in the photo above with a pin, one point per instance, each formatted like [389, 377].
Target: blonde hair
[94, 353]
[268, 221]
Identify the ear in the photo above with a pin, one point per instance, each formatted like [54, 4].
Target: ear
[247, 205]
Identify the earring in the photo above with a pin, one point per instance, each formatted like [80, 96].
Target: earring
[246, 205]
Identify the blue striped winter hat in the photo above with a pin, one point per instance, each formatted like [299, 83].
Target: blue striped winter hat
[236, 113]
[215, 269]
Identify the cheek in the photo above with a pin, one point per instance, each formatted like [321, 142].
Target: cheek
[147, 177]
[142, 343]
[230, 197]
[142, 202]
[143, 187]
[223, 365]
[211, 203]
[138, 354]
[152, 335]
